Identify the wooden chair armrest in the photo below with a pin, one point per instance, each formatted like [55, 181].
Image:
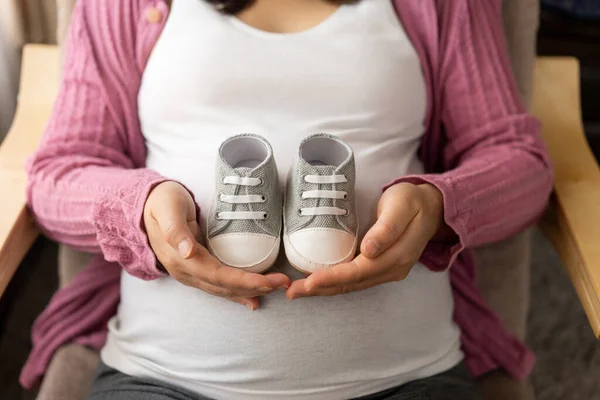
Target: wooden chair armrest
[39, 84]
[572, 222]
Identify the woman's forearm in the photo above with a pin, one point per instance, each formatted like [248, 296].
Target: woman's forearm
[95, 208]
[85, 184]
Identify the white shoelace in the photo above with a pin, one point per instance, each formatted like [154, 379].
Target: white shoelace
[241, 199]
[324, 194]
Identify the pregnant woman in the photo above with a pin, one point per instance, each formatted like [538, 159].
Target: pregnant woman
[446, 159]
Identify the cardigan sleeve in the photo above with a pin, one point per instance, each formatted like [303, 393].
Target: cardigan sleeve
[83, 188]
[498, 176]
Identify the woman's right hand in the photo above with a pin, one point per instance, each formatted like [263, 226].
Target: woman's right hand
[173, 232]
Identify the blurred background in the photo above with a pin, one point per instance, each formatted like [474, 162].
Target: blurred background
[21, 21]
[572, 27]
[568, 354]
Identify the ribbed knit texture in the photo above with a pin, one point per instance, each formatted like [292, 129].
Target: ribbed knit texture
[87, 182]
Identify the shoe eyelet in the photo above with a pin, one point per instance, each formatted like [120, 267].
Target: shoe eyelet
[265, 215]
[345, 196]
[345, 214]
[218, 216]
[299, 211]
[264, 199]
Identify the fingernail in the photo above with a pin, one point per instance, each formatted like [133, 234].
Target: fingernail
[250, 306]
[264, 289]
[184, 248]
[372, 248]
[285, 286]
[308, 286]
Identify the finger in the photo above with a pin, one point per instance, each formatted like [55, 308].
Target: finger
[249, 299]
[407, 250]
[279, 281]
[195, 229]
[173, 220]
[299, 290]
[394, 217]
[296, 289]
[207, 268]
[252, 303]
[359, 270]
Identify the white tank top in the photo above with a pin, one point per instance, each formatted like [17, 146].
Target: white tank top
[355, 75]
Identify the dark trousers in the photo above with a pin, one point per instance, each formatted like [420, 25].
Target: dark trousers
[110, 384]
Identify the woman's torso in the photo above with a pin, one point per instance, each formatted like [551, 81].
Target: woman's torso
[355, 75]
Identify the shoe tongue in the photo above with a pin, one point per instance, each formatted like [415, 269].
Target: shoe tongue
[242, 171]
[324, 169]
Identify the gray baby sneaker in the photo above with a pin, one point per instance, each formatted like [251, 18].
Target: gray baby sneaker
[244, 226]
[320, 221]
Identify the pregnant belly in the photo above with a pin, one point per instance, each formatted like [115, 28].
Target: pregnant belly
[178, 333]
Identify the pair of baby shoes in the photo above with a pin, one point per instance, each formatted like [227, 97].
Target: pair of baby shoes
[318, 216]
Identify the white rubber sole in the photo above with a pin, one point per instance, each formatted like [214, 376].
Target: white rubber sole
[303, 265]
[261, 267]
[299, 262]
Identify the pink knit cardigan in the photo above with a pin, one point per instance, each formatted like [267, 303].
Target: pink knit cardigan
[87, 182]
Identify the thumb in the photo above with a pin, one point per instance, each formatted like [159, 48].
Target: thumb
[394, 217]
[174, 219]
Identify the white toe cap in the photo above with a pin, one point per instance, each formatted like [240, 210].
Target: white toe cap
[252, 252]
[319, 248]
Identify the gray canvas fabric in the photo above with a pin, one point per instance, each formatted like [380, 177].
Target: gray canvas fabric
[296, 185]
[267, 172]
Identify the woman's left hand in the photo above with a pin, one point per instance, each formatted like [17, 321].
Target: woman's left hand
[408, 217]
